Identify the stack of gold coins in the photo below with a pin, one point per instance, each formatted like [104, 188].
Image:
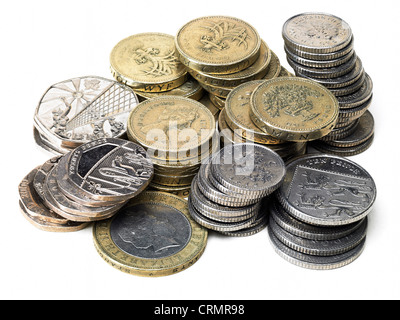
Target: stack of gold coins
[223, 52]
[148, 64]
[326, 55]
[236, 126]
[177, 133]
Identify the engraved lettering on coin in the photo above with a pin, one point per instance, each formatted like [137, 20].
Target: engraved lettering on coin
[151, 231]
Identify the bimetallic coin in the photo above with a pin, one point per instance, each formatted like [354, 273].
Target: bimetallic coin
[248, 169]
[147, 62]
[153, 235]
[316, 32]
[110, 169]
[82, 109]
[294, 109]
[326, 190]
[172, 127]
[218, 44]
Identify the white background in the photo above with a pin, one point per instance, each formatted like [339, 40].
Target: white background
[44, 42]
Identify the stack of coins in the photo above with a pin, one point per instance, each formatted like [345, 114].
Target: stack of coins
[177, 133]
[235, 124]
[90, 183]
[319, 217]
[79, 110]
[321, 47]
[229, 192]
[223, 52]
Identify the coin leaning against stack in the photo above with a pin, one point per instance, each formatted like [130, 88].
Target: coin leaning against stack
[235, 124]
[319, 217]
[90, 183]
[230, 192]
[326, 55]
[223, 52]
[177, 133]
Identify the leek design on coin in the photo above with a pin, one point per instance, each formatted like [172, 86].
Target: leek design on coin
[110, 169]
[82, 109]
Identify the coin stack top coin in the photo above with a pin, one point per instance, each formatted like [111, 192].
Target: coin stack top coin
[320, 47]
[228, 194]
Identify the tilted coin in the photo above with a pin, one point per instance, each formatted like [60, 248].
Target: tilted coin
[32, 203]
[82, 109]
[350, 89]
[294, 109]
[339, 133]
[256, 71]
[358, 97]
[153, 235]
[237, 109]
[218, 101]
[274, 68]
[343, 151]
[210, 105]
[110, 169]
[248, 169]
[320, 247]
[181, 191]
[327, 190]
[147, 62]
[316, 32]
[171, 126]
[217, 44]
[285, 73]
[315, 262]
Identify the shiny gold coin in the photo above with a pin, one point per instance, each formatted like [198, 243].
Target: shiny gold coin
[190, 89]
[294, 109]
[220, 92]
[237, 109]
[171, 127]
[210, 105]
[147, 62]
[285, 73]
[217, 101]
[153, 235]
[256, 71]
[218, 44]
[181, 191]
[274, 67]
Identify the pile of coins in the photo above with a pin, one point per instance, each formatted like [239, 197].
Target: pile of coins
[178, 133]
[230, 192]
[90, 183]
[321, 47]
[223, 52]
[79, 110]
[235, 124]
[319, 217]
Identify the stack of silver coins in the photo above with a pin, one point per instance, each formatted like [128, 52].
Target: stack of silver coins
[320, 47]
[90, 183]
[319, 217]
[230, 192]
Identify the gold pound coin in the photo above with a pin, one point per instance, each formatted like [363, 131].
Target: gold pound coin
[153, 235]
[217, 101]
[294, 109]
[190, 89]
[147, 62]
[256, 71]
[274, 68]
[171, 127]
[218, 44]
[237, 108]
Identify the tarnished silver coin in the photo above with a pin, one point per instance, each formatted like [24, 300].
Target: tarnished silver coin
[320, 247]
[82, 109]
[327, 190]
[110, 169]
[315, 262]
[316, 32]
[358, 97]
[322, 146]
[248, 169]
